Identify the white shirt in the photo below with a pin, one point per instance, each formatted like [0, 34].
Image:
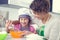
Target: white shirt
[52, 27]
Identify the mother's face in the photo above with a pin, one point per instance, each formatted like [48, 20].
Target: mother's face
[37, 15]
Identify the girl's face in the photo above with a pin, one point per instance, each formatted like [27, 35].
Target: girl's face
[24, 21]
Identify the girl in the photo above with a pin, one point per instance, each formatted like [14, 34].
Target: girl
[23, 25]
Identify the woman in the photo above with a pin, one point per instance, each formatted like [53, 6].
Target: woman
[50, 22]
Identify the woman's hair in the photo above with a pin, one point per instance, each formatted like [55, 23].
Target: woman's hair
[25, 16]
[40, 5]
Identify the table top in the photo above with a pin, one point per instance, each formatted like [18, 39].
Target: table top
[28, 37]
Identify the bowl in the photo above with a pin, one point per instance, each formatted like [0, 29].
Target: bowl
[16, 34]
[3, 35]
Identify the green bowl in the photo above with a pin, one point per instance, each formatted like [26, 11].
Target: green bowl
[3, 36]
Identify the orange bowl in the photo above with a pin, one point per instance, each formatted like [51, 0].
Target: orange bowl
[16, 34]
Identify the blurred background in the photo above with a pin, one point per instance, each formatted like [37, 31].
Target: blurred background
[9, 8]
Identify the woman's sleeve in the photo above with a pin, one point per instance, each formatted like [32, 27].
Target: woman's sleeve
[54, 33]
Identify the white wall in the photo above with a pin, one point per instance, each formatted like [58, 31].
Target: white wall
[24, 3]
[12, 12]
[56, 6]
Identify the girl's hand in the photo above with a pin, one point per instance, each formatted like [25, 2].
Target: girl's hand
[27, 32]
[22, 34]
[8, 23]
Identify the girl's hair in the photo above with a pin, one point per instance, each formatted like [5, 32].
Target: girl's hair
[25, 16]
[40, 5]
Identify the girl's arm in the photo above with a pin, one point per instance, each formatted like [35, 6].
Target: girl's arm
[8, 23]
[32, 29]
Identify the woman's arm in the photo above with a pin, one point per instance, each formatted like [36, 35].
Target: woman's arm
[54, 33]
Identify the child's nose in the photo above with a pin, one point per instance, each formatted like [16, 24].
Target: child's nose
[23, 20]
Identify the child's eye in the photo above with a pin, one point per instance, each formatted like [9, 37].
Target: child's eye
[21, 19]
